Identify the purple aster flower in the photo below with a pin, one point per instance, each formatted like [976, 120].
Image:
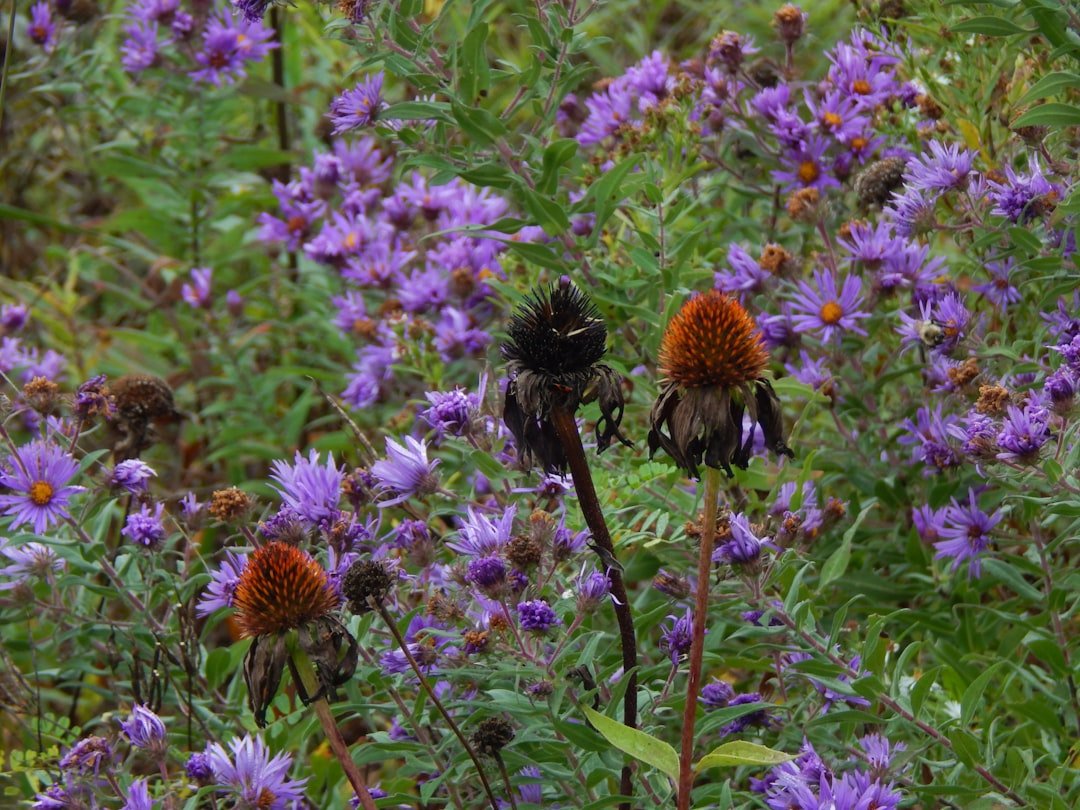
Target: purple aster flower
[827, 307]
[199, 768]
[311, 490]
[88, 755]
[480, 535]
[860, 76]
[743, 547]
[1060, 387]
[805, 166]
[591, 589]
[836, 115]
[228, 45]
[531, 792]
[1023, 432]
[145, 730]
[730, 49]
[359, 107]
[814, 373]
[966, 534]
[771, 101]
[256, 779]
[716, 695]
[55, 797]
[676, 639]
[252, 10]
[406, 471]
[912, 213]
[296, 224]
[953, 318]
[137, 797]
[13, 318]
[832, 696]
[870, 245]
[880, 752]
[42, 30]
[608, 112]
[942, 168]
[977, 435]
[197, 293]
[191, 507]
[139, 50]
[28, 561]
[650, 80]
[566, 543]
[132, 475]
[1063, 324]
[928, 437]
[1070, 352]
[1022, 197]
[456, 335]
[352, 317]
[451, 412]
[145, 527]
[92, 399]
[536, 616]
[998, 290]
[487, 573]
[219, 592]
[38, 475]
[757, 718]
[746, 275]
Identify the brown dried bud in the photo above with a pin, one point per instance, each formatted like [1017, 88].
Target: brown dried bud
[790, 23]
[964, 373]
[230, 505]
[876, 183]
[492, 735]
[524, 551]
[777, 260]
[366, 579]
[803, 205]
[43, 395]
[993, 400]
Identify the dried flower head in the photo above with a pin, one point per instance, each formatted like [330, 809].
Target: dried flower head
[230, 504]
[875, 184]
[790, 23]
[43, 395]
[366, 579]
[141, 401]
[553, 359]
[492, 735]
[283, 589]
[713, 360]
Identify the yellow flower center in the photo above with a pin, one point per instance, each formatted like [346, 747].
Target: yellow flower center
[351, 239]
[861, 86]
[831, 312]
[831, 120]
[858, 144]
[266, 798]
[41, 492]
[808, 171]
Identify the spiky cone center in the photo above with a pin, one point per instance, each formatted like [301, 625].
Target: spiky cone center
[712, 341]
[282, 588]
[556, 331]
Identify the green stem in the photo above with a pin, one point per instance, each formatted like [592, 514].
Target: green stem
[697, 647]
[310, 683]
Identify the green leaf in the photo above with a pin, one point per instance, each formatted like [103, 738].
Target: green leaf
[1051, 84]
[555, 156]
[1010, 576]
[547, 213]
[740, 752]
[973, 694]
[1054, 114]
[989, 26]
[965, 745]
[636, 743]
[475, 76]
[480, 125]
[837, 563]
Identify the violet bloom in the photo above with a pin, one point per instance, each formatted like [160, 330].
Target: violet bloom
[880, 752]
[311, 490]
[591, 590]
[608, 112]
[977, 435]
[827, 308]
[487, 573]
[537, 616]
[406, 471]
[359, 107]
[228, 45]
[967, 534]
[805, 166]
[928, 437]
[746, 275]
[197, 293]
[28, 561]
[55, 797]
[452, 412]
[199, 769]
[999, 290]
[145, 730]
[137, 797]
[677, 638]
[457, 336]
[743, 547]
[716, 695]
[145, 527]
[1060, 387]
[942, 168]
[139, 50]
[480, 535]
[953, 318]
[222, 587]
[88, 755]
[42, 30]
[253, 777]
[831, 695]
[13, 318]
[755, 718]
[132, 475]
[1023, 432]
[1021, 197]
[252, 10]
[38, 476]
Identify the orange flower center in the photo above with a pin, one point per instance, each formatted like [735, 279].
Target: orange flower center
[281, 588]
[712, 341]
[351, 239]
[808, 171]
[296, 224]
[831, 120]
[861, 86]
[266, 799]
[41, 492]
[831, 312]
[858, 144]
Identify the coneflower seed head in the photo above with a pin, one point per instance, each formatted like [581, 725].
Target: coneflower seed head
[712, 341]
[282, 587]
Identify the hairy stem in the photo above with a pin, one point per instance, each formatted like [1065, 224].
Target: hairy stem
[566, 429]
[378, 607]
[697, 645]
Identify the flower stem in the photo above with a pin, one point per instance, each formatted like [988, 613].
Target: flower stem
[566, 429]
[378, 607]
[697, 645]
[306, 671]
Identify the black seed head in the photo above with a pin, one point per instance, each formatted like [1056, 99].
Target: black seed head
[557, 331]
[365, 578]
[492, 735]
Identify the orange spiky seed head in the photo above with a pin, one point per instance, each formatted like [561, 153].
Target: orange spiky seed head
[282, 588]
[712, 341]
